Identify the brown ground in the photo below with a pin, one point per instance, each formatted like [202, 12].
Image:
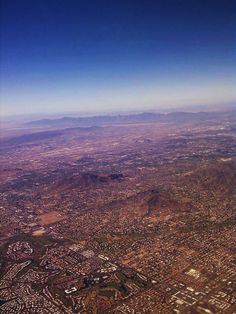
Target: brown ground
[50, 218]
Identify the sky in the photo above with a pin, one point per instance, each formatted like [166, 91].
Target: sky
[116, 55]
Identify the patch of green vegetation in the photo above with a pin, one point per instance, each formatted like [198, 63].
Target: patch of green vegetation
[124, 290]
[122, 277]
[107, 293]
[139, 281]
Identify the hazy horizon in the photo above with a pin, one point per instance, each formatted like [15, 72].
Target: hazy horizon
[98, 56]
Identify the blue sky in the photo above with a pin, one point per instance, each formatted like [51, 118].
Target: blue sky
[96, 55]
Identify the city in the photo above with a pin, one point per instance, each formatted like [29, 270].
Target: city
[126, 218]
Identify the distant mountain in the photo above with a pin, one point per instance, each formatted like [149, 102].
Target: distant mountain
[27, 138]
[44, 135]
[131, 118]
[96, 120]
